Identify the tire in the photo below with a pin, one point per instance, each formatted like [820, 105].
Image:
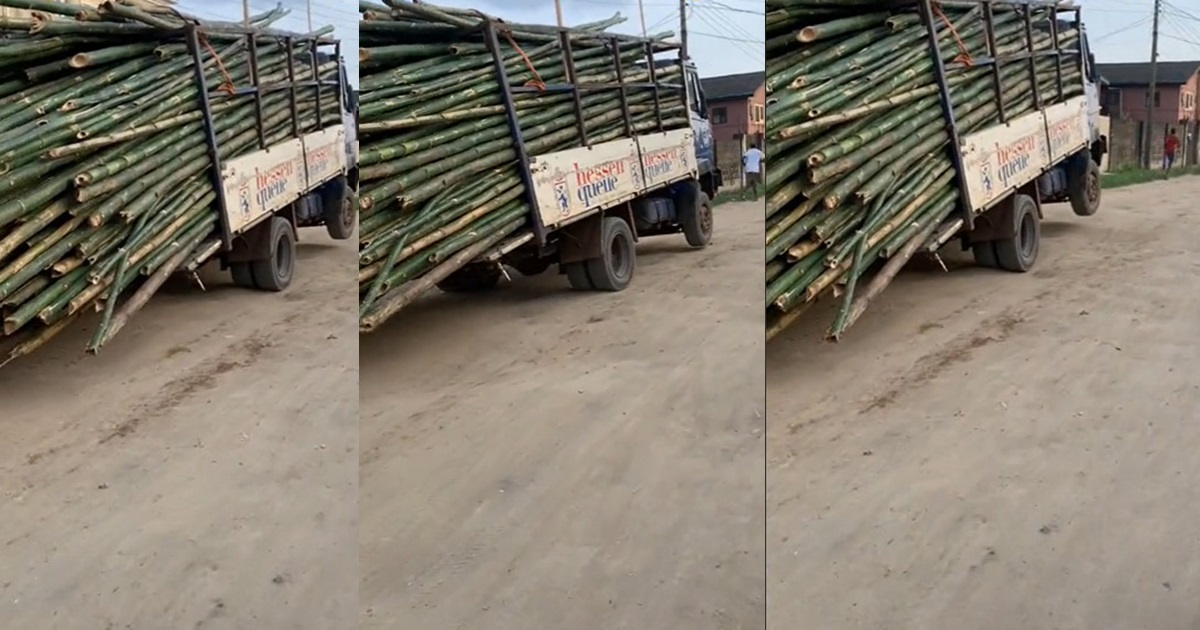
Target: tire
[694, 210]
[613, 270]
[338, 210]
[243, 276]
[1019, 253]
[1083, 189]
[274, 273]
[985, 254]
[577, 275]
[474, 278]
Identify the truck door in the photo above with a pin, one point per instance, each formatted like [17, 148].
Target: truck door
[706, 158]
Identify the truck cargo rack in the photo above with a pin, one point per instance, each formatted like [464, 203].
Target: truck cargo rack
[929, 16]
[492, 28]
[194, 35]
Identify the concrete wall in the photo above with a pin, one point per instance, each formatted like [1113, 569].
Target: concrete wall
[1125, 142]
[1171, 107]
[743, 117]
[734, 118]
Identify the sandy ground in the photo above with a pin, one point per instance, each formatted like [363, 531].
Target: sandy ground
[201, 472]
[990, 450]
[539, 458]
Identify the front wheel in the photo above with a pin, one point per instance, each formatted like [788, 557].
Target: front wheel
[1083, 189]
[339, 210]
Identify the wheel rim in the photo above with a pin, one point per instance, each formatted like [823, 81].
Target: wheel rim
[1027, 239]
[618, 252]
[1093, 188]
[706, 219]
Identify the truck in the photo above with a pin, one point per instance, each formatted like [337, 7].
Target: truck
[308, 180]
[1007, 172]
[592, 204]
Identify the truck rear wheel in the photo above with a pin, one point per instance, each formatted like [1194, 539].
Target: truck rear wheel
[242, 275]
[1019, 253]
[1083, 189]
[985, 254]
[613, 270]
[532, 266]
[473, 278]
[274, 273]
[577, 275]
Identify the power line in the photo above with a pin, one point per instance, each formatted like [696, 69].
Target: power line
[1123, 29]
[726, 38]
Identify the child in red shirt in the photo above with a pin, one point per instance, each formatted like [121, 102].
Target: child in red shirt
[1170, 146]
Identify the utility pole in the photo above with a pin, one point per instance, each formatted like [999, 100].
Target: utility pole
[246, 12]
[558, 12]
[1151, 102]
[642, 11]
[308, 6]
[683, 53]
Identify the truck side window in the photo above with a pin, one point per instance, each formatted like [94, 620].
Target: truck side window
[695, 95]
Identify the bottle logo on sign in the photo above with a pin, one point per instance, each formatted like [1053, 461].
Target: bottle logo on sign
[561, 197]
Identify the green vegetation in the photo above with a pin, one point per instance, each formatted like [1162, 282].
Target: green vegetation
[1131, 176]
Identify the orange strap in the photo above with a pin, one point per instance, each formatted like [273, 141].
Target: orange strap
[227, 86]
[964, 55]
[537, 78]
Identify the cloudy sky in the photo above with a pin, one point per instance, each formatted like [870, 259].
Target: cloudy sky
[724, 37]
[341, 14]
[1120, 30]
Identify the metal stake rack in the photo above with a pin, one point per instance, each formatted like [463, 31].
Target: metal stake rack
[1031, 13]
[194, 36]
[492, 29]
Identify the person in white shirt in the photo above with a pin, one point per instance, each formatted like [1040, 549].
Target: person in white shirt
[752, 162]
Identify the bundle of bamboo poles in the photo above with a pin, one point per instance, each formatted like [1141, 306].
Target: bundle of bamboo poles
[860, 167]
[439, 179]
[105, 184]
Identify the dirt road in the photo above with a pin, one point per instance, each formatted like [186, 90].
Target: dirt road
[538, 458]
[200, 473]
[989, 450]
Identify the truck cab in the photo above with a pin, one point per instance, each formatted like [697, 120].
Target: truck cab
[706, 155]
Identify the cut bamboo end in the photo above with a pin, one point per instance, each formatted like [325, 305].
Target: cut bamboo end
[11, 325]
[80, 60]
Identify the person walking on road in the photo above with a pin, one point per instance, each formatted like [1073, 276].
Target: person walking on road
[752, 162]
[1170, 146]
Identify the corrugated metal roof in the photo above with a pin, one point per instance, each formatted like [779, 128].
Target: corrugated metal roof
[1130, 74]
[732, 85]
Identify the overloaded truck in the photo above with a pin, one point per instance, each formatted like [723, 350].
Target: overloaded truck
[570, 145]
[137, 142]
[900, 126]
[1009, 170]
[306, 180]
[591, 204]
